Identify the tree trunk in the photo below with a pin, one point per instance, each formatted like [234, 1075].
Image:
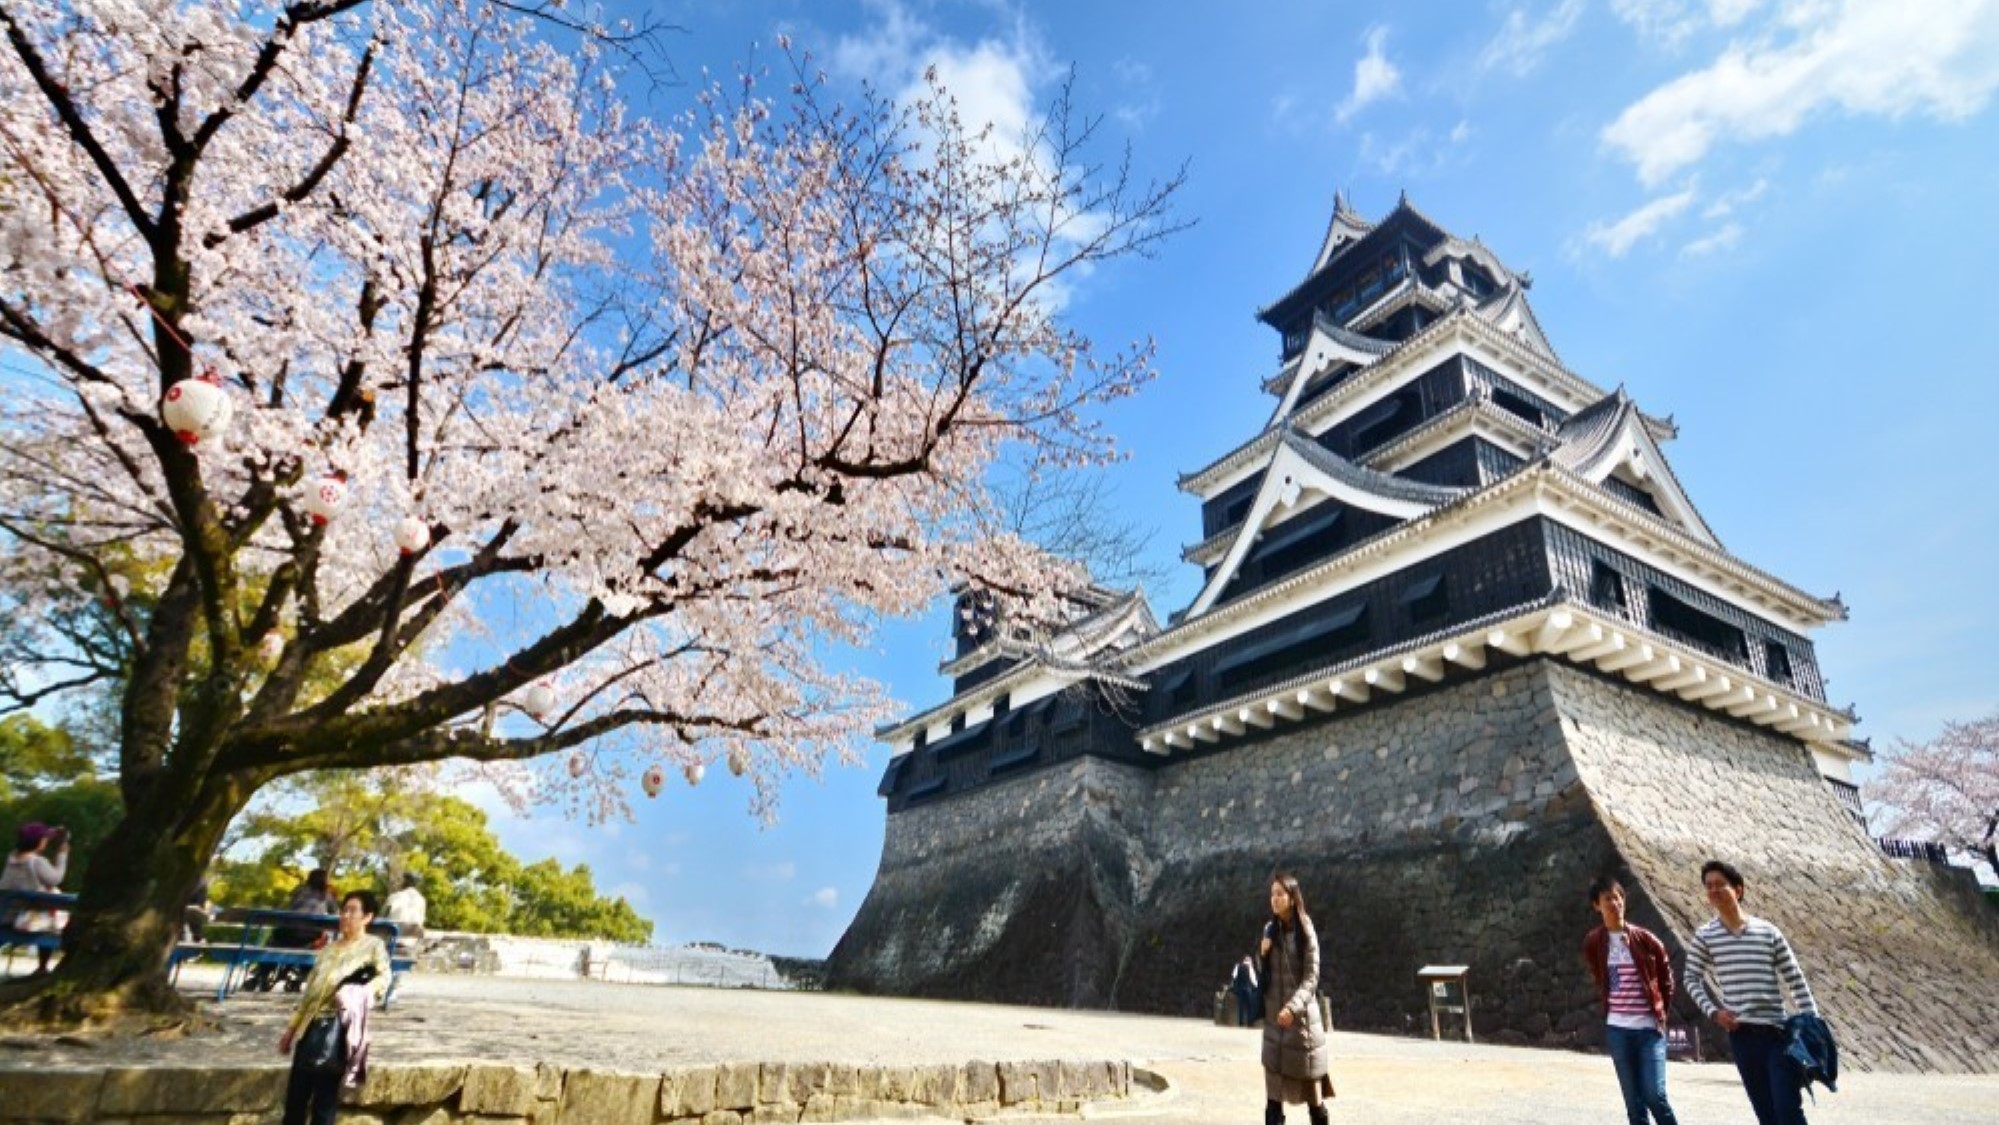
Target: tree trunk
[130, 910]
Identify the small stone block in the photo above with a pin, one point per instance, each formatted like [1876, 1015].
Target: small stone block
[687, 1092]
[736, 1086]
[147, 1090]
[50, 1095]
[592, 1097]
[978, 1082]
[409, 1085]
[506, 1091]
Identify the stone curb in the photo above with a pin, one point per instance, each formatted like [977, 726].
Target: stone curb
[734, 1093]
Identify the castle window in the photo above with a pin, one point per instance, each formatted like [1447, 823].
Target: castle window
[1427, 598]
[957, 722]
[1777, 662]
[1295, 649]
[1517, 406]
[1625, 490]
[1180, 691]
[1606, 587]
[1000, 705]
[1380, 422]
[1699, 628]
[922, 738]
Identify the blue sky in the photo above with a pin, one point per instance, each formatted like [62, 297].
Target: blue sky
[1770, 219]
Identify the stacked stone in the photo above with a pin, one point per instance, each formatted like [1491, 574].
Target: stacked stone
[723, 1094]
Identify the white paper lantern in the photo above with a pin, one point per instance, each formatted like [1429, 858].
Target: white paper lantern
[271, 647]
[694, 773]
[653, 781]
[197, 410]
[540, 699]
[412, 535]
[324, 498]
[739, 761]
[577, 764]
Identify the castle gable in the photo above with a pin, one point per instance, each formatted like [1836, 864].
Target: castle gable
[1612, 445]
[1306, 486]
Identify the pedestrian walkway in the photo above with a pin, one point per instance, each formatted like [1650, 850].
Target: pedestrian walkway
[1212, 1071]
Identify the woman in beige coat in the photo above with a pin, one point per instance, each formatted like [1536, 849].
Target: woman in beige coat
[1294, 1041]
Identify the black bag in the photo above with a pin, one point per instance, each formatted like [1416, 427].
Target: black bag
[320, 1049]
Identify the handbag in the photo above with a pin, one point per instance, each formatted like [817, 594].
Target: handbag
[320, 1049]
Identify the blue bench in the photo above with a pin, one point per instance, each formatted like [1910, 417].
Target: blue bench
[251, 949]
[14, 903]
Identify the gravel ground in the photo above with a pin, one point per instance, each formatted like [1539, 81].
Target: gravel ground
[1212, 1071]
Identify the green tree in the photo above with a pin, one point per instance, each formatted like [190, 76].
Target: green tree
[368, 829]
[46, 776]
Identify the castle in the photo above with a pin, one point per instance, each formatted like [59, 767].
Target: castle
[1463, 643]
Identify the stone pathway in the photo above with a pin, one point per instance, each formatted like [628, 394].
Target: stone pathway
[1212, 1071]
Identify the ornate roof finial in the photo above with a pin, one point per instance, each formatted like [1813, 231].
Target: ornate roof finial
[1340, 201]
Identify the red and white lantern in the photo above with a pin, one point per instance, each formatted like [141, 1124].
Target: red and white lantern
[197, 410]
[694, 772]
[739, 761]
[653, 781]
[540, 699]
[270, 647]
[412, 535]
[577, 764]
[324, 498]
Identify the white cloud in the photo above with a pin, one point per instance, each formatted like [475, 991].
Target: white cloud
[825, 897]
[1724, 238]
[1670, 23]
[1461, 132]
[1374, 77]
[1619, 237]
[1862, 58]
[1729, 202]
[1523, 42]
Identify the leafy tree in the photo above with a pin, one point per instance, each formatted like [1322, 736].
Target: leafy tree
[367, 830]
[669, 408]
[46, 776]
[1947, 789]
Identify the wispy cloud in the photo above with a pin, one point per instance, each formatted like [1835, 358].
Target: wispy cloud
[1616, 239]
[1721, 239]
[783, 872]
[1374, 77]
[1670, 23]
[1860, 58]
[1523, 40]
[1728, 203]
[825, 898]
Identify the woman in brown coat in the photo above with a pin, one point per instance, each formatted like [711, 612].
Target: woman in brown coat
[1294, 1041]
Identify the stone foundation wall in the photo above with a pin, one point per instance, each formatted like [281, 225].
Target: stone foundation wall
[1460, 826]
[726, 1094]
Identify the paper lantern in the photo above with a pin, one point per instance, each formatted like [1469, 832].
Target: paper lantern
[577, 764]
[540, 699]
[653, 781]
[694, 773]
[324, 498]
[270, 647]
[197, 410]
[739, 761]
[412, 535]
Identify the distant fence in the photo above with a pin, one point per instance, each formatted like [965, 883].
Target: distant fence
[1915, 849]
[570, 959]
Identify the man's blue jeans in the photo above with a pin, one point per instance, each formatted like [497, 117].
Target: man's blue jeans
[1640, 1059]
[1767, 1075]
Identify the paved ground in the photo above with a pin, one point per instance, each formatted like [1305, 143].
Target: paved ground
[1213, 1071]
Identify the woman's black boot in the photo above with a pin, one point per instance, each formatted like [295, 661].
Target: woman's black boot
[1273, 1113]
[1317, 1113]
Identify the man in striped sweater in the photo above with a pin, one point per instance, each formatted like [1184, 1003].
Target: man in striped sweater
[1738, 969]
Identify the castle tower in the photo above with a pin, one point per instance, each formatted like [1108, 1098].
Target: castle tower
[1463, 642]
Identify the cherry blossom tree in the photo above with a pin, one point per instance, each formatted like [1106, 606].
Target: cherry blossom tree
[1946, 790]
[557, 438]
